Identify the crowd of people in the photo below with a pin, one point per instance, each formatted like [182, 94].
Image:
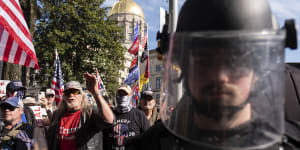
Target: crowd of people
[226, 93]
[96, 123]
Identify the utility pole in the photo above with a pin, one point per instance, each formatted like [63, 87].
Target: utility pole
[173, 11]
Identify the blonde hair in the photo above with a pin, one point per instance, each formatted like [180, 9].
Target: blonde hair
[62, 108]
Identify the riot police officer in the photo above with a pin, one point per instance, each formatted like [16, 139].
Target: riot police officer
[228, 61]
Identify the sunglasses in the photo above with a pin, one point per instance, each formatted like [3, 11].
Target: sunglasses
[7, 106]
[50, 95]
[72, 91]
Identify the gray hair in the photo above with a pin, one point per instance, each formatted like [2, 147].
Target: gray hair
[62, 108]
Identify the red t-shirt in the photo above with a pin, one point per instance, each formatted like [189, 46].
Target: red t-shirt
[67, 128]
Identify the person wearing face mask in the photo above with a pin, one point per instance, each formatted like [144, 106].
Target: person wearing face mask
[129, 121]
[148, 106]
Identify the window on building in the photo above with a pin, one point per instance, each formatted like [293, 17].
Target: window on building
[130, 27]
[158, 83]
[157, 97]
[158, 68]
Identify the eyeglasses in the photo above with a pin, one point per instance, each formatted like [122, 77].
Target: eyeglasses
[71, 91]
[50, 95]
[7, 106]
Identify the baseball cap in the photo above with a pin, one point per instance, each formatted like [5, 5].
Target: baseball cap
[14, 101]
[147, 93]
[72, 85]
[15, 86]
[29, 100]
[49, 92]
[125, 88]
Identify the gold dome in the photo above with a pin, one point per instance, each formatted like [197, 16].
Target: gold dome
[126, 6]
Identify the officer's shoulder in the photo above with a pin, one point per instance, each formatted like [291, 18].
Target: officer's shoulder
[157, 130]
[292, 132]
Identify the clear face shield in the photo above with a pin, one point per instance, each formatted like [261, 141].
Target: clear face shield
[225, 90]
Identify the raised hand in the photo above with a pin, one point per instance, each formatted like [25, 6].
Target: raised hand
[91, 83]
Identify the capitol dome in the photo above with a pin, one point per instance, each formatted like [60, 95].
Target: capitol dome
[126, 7]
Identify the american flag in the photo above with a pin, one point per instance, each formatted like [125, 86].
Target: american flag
[100, 83]
[58, 83]
[135, 95]
[136, 43]
[145, 45]
[145, 39]
[15, 40]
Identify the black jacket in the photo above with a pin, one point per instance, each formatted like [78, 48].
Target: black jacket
[89, 133]
[159, 138]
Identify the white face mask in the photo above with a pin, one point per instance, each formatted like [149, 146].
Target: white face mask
[124, 103]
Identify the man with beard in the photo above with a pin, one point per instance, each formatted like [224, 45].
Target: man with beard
[129, 122]
[76, 124]
[226, 59]
[148, 106]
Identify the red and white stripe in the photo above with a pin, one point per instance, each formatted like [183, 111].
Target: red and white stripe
[58, 90]
[15, 40]
[145, 39]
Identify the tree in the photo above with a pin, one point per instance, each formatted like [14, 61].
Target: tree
[84, 38]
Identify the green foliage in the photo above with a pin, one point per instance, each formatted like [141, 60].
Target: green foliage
[84, 39]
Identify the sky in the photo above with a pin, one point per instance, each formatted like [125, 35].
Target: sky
[282, 9]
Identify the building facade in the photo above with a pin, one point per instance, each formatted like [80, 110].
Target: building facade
[156, 68]
[127, 14]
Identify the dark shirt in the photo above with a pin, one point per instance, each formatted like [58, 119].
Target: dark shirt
[160, 138]
[127, 125]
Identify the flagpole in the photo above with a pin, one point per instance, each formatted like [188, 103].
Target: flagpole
[148, 86]
[138, 63]
[55, 51]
